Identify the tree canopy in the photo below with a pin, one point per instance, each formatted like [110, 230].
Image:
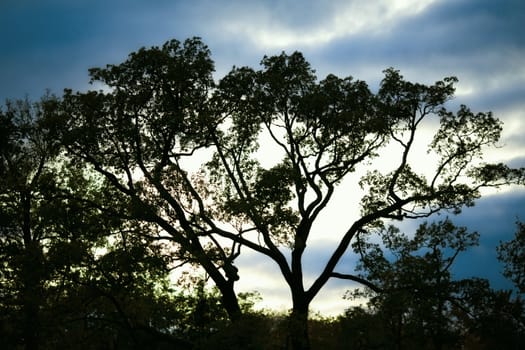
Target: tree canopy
[512, 253]
[177, 162]
[414, 301]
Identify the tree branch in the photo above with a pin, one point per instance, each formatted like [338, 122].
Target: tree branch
[357, 279]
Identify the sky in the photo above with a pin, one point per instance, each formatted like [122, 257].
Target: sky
[51, 44]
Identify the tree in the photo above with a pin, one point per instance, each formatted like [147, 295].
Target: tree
[26, 154]
[411, 289]
[113, 292]
[327, 130]
[497, 319]
[415, 303]
[138, 137]
[512, 254]
[161, 110]
[58, 287]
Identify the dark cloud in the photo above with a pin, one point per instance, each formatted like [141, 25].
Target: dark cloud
[464, 28]
[510, 95]
[42, 41]
[446, 29]
[52, 44]
[494, 218]
[475, 40]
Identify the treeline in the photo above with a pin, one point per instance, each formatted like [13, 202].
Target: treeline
[100, 203]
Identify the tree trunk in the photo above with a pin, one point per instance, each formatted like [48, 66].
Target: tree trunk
[31, 277]
[226, 287]
[230, 301]
[298, 327]
[31, 296]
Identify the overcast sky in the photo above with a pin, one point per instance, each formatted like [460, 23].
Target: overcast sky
[50, 44]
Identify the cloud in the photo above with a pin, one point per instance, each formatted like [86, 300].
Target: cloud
[52, 44]
[275, 24]
[259, 273]
[517, 162]
[469, 38]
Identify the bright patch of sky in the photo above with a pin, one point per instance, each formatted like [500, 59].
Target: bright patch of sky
[269, 28]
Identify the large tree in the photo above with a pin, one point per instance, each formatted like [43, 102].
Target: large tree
[139, 136]
[161, 113]
[326, 130]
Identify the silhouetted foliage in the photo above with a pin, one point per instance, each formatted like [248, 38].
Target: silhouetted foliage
[25, 178]
[103, 192]
[414, 293]
[512, 253]
[72, 276]
[138, 135]
[415, 303]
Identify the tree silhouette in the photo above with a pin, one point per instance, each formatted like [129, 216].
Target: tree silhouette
[414, 301]
[26, 154]
[138, 137]
[327, 130]
[72, 275]
[512, 254]
[161, 113]
[413, 292]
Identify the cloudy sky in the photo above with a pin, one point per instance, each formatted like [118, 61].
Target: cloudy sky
[50, 44]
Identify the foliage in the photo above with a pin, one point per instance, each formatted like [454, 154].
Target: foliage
[164, 164]
[137, 136]
[25, 177]
[512, 253]
[72, 275]
[414, 301]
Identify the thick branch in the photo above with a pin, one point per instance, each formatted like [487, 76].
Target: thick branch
[357, 279]
[356, 227]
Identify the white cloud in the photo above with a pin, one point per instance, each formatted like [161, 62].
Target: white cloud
[261, 274]
[270, 30]
[509, 72]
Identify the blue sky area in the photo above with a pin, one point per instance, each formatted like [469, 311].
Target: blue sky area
[50, 44]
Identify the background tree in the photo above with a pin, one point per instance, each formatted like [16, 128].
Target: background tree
[512, 254]
[72, 273]
[415, 303]
[496, 319]
[161, 111]
[26, 157]
[412, 290]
